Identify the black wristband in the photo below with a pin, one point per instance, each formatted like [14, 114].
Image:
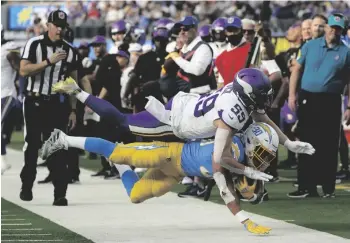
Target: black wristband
[48, 62]
[348, 107]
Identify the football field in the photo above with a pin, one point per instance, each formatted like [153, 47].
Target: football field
[99, 211]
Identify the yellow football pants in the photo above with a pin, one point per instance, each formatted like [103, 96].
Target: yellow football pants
[162, 159]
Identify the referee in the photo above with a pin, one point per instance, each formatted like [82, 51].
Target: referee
[46, 60]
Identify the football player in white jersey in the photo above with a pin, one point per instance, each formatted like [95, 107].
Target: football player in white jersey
[10, 59]
[192, 116]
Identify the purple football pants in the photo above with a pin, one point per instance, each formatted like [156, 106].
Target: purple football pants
[143, 123]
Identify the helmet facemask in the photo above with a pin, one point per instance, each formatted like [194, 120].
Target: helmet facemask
[261, 144]
[260, 157]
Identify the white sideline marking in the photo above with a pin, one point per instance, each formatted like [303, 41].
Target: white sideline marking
[12, 219]
[4, 211]
[289, 220]
[17, 224]
[29, 229]
[29, 240]
[24, 234]
[110, 217]
[8, 215]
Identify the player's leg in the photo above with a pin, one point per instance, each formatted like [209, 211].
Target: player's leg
[153, 184]
[59, 140]
[143, 123]
[143, 155]
[7, 103]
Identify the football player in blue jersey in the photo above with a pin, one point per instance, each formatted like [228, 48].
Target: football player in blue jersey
[168, 163]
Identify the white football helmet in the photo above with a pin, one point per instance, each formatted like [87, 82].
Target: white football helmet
[261, 144]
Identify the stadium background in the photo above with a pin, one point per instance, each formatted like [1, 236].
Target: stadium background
[17, 16]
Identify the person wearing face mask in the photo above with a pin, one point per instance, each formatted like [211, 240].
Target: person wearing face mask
[143, 78]
[233, 59]
[218, 45]
[323, 70]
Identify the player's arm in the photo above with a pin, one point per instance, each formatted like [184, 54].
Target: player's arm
[224, 182]
[222, 146]
[222, 154]
[14, 59]
[28, 69]
[294, 146]
[262, 117]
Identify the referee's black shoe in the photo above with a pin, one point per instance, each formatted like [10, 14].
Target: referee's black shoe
[62, 201]
[26, 195]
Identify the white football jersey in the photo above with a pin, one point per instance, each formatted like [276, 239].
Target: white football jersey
[8, 74]
[193, 115]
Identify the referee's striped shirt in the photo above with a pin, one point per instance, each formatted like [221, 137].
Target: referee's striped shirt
[38, 49]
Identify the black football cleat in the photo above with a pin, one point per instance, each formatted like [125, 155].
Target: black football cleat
[62, 201]
[26, 195]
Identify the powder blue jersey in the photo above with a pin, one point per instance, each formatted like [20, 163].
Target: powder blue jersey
[196, 157]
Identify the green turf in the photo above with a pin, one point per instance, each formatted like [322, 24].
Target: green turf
[56, 231]
[328, 215]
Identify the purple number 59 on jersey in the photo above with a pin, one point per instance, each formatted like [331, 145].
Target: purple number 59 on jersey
[205, 104]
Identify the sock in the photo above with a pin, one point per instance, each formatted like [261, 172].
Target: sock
[76, 142]
[99, 146]
[82, 96]
[128, 176]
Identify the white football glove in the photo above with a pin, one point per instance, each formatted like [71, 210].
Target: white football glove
[256, 175]
[299, 147]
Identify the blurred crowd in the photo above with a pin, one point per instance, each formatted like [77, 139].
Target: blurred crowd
[279, 15]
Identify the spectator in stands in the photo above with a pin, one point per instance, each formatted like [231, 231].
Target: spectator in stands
[93, 124]
[36, 29]
[322, 84]
[346, 36]
[318, 26]
[306, 32]
[93, 12]
[194, 60]
[119, 32]
[285, 61]
[234, 57]
[248, 26]
[147, 71]
[10, 59]
[218, 45]
[135, 51]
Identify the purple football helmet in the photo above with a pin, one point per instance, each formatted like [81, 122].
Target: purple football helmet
[204, 32]
[163, 28]
[254, 88]
[138, 36]
[164, 23]
[161, 33]
[218, 29]
[119, 27]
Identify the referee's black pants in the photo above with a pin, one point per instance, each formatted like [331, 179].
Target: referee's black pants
[41, 116]
[319, 123]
